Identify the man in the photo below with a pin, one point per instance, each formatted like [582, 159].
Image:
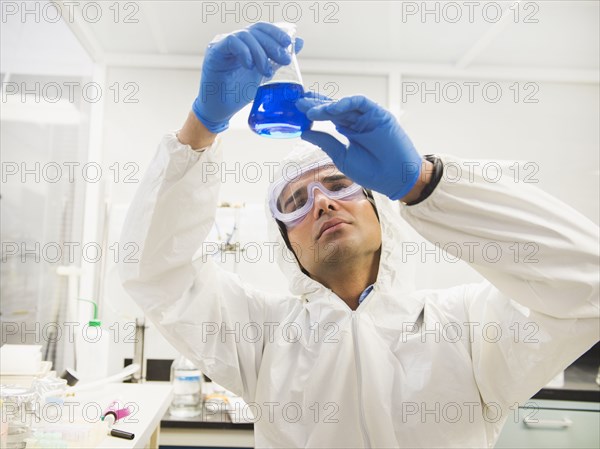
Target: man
[356, 357]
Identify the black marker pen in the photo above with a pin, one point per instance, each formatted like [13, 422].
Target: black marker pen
[122, 434]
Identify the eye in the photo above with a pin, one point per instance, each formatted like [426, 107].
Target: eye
[295, 202]
[337, 186]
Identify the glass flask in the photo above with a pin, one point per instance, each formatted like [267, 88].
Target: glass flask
[274, 113]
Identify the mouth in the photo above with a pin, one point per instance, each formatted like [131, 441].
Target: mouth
[330, 226]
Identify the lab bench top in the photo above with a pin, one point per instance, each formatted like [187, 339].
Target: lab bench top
[580, 385]
[149, 402]
[208, 419]
[213, 415]
[152, 401]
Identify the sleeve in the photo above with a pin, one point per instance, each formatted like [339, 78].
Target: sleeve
[201, 309]
[538, 311]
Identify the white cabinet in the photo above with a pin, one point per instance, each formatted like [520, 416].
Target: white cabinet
[553, 424]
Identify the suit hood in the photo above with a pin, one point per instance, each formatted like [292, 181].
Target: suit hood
[394, 272]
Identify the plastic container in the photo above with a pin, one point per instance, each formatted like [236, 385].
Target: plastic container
[72, 434]
[92, 346]
[274, 113]
[187, 389]
[50, 388]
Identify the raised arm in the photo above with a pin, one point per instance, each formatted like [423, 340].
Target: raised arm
[539, 256]
[196, 305]
[195, 134]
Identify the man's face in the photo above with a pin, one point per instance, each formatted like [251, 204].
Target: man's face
[335, 230]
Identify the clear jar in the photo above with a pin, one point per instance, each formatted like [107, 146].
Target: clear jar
[18, 410]
[187, 388]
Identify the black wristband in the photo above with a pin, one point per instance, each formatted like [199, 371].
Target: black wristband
[436, 176]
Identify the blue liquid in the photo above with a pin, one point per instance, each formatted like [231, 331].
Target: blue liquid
[274, 113]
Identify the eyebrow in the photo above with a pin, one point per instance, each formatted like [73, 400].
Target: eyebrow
[330, 178]
[335, 177]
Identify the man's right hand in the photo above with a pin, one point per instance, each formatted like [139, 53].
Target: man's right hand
[233, 67]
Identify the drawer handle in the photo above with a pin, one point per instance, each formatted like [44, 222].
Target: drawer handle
[547, 423]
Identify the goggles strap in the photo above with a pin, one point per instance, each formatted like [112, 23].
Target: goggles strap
[371, 199]
[286, 239]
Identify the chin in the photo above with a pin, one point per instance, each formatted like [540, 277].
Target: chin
[338, 249]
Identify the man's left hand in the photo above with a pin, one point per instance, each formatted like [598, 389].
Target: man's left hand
[380, 156]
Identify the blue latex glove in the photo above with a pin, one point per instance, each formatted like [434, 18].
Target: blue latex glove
[233, 67]
[380, 156]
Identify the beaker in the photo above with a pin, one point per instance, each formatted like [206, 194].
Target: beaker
[274, 113]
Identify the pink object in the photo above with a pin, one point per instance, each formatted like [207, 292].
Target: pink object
[115, 410]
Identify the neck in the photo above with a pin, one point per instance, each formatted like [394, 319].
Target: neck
[350, 278]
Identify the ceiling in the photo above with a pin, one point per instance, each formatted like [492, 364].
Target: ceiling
[542, 35]
[547, 34]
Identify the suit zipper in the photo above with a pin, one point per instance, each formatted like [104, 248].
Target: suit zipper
[361, 411]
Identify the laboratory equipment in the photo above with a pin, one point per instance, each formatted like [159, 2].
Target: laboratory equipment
[126, 372]
[114, 412]
[187, 388]
[18, 410]
[274, 113]
[71, 376]
[122, 434]
[232, 70]
[50, 390]
[138, 350]
[75, 433]
[92, 345]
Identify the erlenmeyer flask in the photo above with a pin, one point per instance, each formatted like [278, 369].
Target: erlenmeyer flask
[274, 113]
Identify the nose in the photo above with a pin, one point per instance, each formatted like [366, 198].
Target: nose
[322, 204]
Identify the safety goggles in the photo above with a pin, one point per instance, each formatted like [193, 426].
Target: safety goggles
[292, 197]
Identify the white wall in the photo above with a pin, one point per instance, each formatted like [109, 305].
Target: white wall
[559, 133]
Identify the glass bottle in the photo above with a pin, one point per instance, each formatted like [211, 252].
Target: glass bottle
[187, 388]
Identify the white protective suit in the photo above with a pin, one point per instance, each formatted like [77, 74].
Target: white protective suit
[431, 368]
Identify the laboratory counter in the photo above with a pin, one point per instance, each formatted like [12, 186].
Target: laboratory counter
[218, 425]
[580, 385]
[208, 419]
[214, 427]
